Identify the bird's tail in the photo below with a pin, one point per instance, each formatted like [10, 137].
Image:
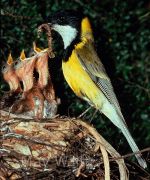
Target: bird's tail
[119, 121]
[133, 146]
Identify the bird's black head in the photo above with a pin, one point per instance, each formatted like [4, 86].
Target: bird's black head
[67, 17]
[67, 23]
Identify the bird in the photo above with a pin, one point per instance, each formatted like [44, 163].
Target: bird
[50, 109]
[41, 65]
[44, 80]
[32, 103]
[24, 69]
[38, 107]
[10, 76]
[84, 71]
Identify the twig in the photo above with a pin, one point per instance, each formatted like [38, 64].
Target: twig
[145, 15]
[11, 116]
[5, 13]
[47, 29]
[19, 136]
[91, 119]
[132, 154]
[80, 168]
[82, 114]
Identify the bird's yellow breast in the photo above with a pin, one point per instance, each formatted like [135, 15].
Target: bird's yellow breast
[79, 80]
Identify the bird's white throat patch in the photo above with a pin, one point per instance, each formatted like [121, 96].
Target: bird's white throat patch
[67, 33]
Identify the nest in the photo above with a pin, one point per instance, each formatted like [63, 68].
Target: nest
[59, 148]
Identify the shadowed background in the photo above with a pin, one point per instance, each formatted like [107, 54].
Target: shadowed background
[122, 39]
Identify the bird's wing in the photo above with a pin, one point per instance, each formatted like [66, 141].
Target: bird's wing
[94, 67]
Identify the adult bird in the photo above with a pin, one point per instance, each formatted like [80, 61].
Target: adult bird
[84, 71]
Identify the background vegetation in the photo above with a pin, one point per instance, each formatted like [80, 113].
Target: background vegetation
[123, 42]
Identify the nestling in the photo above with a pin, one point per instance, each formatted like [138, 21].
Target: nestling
[10, 76]
[44, 80]
[24, 68]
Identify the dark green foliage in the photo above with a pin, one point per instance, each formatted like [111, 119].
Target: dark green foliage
[122, 41]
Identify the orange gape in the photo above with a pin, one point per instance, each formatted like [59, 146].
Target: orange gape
[24, 68]
[10, 76]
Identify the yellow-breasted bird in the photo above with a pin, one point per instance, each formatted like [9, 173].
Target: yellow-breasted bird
[84, 71]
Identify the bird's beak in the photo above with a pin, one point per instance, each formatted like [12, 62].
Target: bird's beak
[22, 55]
[10, 60]
[35, 48]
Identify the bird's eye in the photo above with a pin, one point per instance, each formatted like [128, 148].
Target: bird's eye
[15, 63]
[3, 67]
[61, 19]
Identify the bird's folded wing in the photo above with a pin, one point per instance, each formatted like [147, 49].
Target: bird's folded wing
[94, 67]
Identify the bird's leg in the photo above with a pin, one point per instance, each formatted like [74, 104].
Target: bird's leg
[96, 110]
[82, 114]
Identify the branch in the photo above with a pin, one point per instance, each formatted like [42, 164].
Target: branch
[6, 13]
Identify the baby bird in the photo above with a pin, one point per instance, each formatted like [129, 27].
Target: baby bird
[45, 83]
[44, 80]
[33, 102]
[41, 66]
[24, 68]
[38, 107]
[10, 76]
[50, 109]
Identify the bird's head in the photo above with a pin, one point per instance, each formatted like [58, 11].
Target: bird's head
[38, 50]
[18, 63]
[67, 24]
[6, 66]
